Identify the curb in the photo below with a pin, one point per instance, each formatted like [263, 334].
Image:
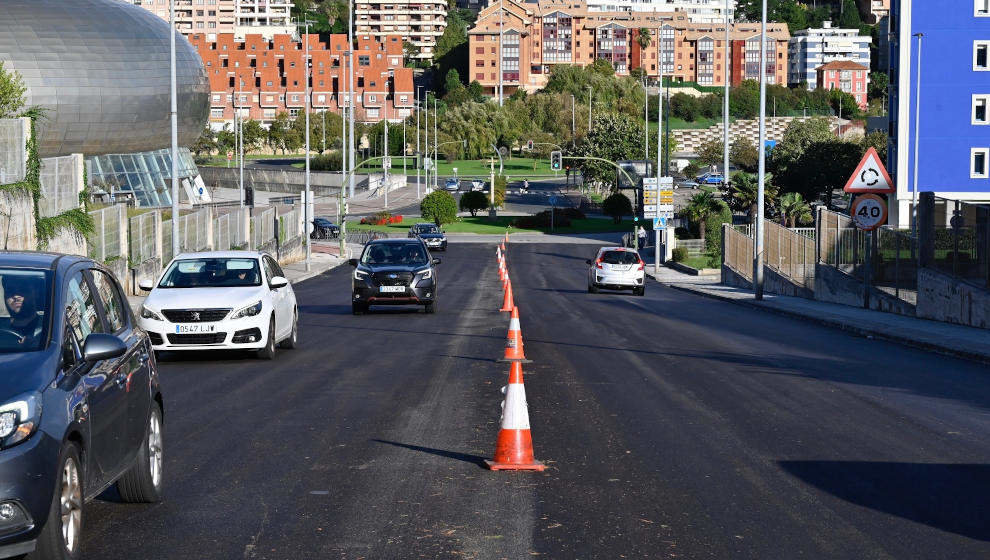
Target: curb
[980, 357]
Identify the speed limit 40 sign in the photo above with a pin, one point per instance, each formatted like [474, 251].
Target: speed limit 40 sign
[869, 211]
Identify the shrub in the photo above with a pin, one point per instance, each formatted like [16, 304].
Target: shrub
[473, 201]
[541, 220]
[440, 207]
[680, 254]
[571, 213]
[617, 206]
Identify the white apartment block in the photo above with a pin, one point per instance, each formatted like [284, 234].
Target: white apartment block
[810, 48]
[698, 11]
[265, 17]
[420, 23]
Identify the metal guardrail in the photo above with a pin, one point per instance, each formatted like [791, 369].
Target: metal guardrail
[962, 241]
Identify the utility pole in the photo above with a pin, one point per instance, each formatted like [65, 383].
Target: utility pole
[667, 234]
[309, 195]
[761, 193]
[646, 119]
[917, 122]
[174, 115]
[419, 155]
[573, 123]
[725, 102]
[590, 96]
[350, 90]
[426, 140]
[323, 129]
[501, 73]
[386, 165]
[436, 140]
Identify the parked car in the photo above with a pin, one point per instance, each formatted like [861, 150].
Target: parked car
[432, 235]
[713, 179]
[235, 300]
[394, 272]
[478, 185]
[617, 268]
[80, 402]
[323, 228]
[452, 184]
[686, 184]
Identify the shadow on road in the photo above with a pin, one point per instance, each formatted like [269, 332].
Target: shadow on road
[949, 497]
[467, 458]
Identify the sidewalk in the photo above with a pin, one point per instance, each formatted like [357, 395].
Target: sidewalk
[945, 338]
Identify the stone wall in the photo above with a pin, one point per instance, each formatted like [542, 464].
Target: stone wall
[17, 227]
[944, 298]
[690, 140]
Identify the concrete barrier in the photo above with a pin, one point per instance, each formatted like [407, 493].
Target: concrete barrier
[944, 298]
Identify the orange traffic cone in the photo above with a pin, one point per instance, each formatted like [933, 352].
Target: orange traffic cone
[507, 303]
[514, 446]
[502, 246]
[514, 351]
[506, 236]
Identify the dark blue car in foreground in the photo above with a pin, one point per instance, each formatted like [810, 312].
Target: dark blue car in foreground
[80, 404]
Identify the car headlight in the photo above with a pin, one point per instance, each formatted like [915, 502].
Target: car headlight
[360, 274]
[249, 311]
[19, 419]
[428, 273]
[149, 314]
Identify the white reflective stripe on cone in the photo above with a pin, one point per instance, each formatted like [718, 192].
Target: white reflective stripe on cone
[514, 324]
[515, 413]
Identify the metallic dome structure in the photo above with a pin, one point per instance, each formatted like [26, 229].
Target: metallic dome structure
[100, 69]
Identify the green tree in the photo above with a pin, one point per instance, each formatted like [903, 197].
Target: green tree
[643, 39]
[878, 85]
[473, 201]
[617, 206]
[711, 152]
[254, 135]
[824, 167]
[440, 207]
[794, 210]
[614, 137]
[744, 154]
[206, 143]
[878, 141]
[12, 90]
[701, 208]
[849, 15]
[743, 194]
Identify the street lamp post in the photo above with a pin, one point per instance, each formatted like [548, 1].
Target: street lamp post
[917, 120]
[725, 103]
[418, 154]
[761, 192]
[573, 122]
[309, 195]
[350, 90]
[175, 132]
[436, 116]
[590, 92]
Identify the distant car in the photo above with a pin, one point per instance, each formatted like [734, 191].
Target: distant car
[686, 184]
[80, 402]
[323, 228]
[394, 272]
[233, 300]
[711, 179]
[452, 185]
[432, 235]
[477, 185]
[617, 268]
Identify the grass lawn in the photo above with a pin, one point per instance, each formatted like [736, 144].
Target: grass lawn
[481, 224]
[696, 262]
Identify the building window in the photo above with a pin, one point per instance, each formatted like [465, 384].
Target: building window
[293, 113]
[981, 8]
[981, 52]
[978, 158]
[373, 113]
[371, 98]
[216, 113]
[980, 105]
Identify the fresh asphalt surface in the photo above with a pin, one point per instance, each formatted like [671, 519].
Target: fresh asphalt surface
[673, 426]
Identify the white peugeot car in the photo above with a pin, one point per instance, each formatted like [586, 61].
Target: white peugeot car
[617, 268]
[234, 300]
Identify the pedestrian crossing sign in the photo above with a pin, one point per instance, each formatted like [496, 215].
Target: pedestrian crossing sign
[660, 223]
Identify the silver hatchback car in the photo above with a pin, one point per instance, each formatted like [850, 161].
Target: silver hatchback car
[617, 268]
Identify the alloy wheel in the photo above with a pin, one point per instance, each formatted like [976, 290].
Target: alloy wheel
[155, 459]
[70, 505]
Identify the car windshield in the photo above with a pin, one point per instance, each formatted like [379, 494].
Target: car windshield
[402, 254]
[212, 272]
[427, 229]
[620, 257]
[24, 314]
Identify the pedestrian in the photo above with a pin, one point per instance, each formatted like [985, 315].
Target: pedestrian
[641, 233]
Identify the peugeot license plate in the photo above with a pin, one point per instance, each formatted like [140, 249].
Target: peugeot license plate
[392, 289]
[186, 329]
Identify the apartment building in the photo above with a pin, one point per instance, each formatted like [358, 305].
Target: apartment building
[213, 17]
[873, 11]
[846, 76]
[954, 118]
[698, 11]
[809, 49]
[537, 36]
[421, 22]
[261, 77]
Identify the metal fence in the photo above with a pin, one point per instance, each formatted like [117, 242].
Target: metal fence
[842, 244]
[738, 252]
[142, 234]
[167, 253]
[288, 226]
[962, 240]
[193, 230]
[13, 150]
[790, 253]
[61, 180]
[262, 228]
[104, 244]
[221, 233]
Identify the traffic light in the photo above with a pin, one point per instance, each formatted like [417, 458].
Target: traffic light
[249, 196]
[529, 145]
[555, 160]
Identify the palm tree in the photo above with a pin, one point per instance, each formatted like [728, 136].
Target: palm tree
[743, 193]
[643, 38]
[701, 208]
[794, 210]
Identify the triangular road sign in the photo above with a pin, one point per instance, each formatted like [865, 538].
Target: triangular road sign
[870, 176]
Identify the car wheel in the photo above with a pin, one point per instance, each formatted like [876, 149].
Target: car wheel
[143, 482]
[639, 291]
[359, 308]
[268, 352]
[592, 289]
[431, 307]
[62, 535]
[290, 342]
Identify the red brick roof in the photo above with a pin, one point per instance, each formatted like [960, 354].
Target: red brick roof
[842, 65]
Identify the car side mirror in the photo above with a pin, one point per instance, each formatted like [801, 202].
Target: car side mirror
[100, 346]
[587, 261]
[277, 282]
[352, 262]
[436, 260]
[146, 285]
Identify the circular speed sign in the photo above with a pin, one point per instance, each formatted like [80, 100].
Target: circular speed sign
[869, 211]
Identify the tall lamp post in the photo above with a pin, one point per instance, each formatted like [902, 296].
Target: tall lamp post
[418, 153]
[174, 115]
[725, 103]
[761, 192]
[590, 92]
[917, 121]
[350, 91]
[309, 195]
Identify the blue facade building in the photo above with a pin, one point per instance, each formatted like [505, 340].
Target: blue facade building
[954, 120]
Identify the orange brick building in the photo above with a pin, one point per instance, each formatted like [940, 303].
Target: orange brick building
[537, 36]
[847, 76]
[265, 77]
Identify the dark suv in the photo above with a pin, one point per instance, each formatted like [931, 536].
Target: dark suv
[431, 234]
[80, 405]
[394, 272]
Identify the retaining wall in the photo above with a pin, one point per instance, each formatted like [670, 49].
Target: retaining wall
[943, 298]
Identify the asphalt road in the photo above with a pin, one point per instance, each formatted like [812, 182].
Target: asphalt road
[673, 426]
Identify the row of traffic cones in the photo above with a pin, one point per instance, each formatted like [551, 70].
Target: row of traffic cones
[514, 446]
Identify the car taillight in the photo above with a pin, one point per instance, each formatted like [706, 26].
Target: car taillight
[642, 265]
[598, 264]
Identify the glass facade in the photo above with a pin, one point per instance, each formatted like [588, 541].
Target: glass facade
[147, 176]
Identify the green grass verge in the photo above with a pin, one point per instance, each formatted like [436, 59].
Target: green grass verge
[696, 262]
[482, 225]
